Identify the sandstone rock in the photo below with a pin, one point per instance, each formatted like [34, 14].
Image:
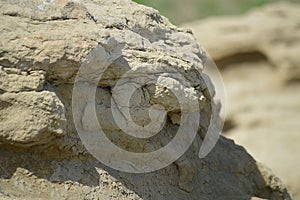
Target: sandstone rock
[30, 118]
[258, 55]
[49, 43]
[13, 80]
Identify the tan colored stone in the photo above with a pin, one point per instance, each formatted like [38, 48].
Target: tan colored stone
[30, 118]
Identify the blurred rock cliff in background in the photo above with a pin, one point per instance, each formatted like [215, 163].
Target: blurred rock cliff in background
[258, 55]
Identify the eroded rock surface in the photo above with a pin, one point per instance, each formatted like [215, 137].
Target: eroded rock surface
[43, 45]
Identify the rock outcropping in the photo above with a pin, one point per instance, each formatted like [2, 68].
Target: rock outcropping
[258, 55]
[43, 45]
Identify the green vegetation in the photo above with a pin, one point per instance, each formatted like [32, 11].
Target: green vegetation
[179, 11]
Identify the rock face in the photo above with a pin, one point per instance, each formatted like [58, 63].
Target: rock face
[258, 55]
[43, 45]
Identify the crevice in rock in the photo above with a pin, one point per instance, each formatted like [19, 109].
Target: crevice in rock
[91, 17]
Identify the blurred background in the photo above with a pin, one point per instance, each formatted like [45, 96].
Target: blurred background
[178, 11]
[256, 46]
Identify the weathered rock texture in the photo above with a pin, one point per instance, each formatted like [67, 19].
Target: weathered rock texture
[258, 55]
[42, 47]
